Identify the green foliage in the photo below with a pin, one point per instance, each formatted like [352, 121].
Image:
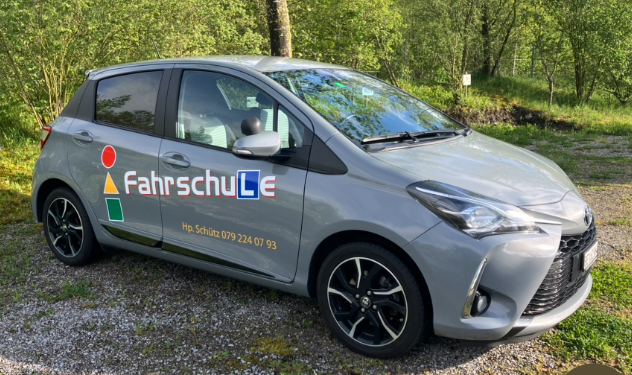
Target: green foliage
[80, 289]
[46, 46]
[617, 71]
[520, 136]
[19, 148]
[16, 261]
[439, 37]
[613, 283]
[601, 330]
[594, 335]
[363, 34]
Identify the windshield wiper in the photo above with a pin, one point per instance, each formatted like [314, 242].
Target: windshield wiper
[414, 136]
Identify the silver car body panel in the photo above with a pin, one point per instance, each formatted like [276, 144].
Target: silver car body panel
[311, 207]
[485, 166]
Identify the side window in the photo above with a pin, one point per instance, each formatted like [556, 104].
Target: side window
[290, 129]
[240, 95]
[129, 100]
[212, 106]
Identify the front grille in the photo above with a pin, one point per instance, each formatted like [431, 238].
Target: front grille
[558, 285]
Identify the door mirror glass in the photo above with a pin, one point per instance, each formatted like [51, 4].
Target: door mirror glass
[264, 144]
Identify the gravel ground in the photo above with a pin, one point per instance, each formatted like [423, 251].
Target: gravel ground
[150, 316]
[141, 315]
[612, 203]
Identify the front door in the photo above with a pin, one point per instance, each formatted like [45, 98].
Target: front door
[241, 213]
[115, 146]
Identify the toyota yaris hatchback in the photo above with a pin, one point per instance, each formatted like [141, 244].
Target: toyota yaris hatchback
[322, 181]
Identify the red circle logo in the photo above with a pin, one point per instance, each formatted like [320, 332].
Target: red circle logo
[108, 157]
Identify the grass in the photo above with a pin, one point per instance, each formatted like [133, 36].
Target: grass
[18, 152]
[591, 334]
[17, 262]
[77, 290]
[613, 284]
[617, 222]
[602, 115]
[600, 331]
[276, 345]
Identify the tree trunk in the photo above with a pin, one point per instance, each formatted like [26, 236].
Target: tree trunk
[579, 82]
[487, 49]
[513, 71]
[504, 43]
[279, 24]
[551, 88]
[532, 60]
[466, 42]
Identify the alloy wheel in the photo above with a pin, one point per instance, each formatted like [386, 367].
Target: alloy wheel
[64, 227]
[367, 301]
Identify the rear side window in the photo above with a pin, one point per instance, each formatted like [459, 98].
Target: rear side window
[129, 100]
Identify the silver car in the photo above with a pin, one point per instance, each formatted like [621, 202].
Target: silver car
[322, 181]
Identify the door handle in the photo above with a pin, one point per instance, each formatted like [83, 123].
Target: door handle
[177, 162]
[82, 137]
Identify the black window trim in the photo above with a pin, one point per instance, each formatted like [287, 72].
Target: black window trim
[159, 111]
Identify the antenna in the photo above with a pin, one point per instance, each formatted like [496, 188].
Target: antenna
[156, 47]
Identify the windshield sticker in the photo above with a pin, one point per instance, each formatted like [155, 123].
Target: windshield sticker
[367, 91]
[115, 210]
[339, 84]
[251, 102]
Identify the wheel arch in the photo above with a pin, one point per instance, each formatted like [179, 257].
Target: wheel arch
[42, 193]
[331, 243]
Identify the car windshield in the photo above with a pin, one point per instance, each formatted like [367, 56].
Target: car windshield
[361, 106]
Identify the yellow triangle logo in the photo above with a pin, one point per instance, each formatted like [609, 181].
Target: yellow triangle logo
[110, 188]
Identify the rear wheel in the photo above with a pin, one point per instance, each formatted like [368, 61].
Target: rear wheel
[371, 301]
[67, 228]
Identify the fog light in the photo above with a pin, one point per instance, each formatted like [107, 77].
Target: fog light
[480, 303]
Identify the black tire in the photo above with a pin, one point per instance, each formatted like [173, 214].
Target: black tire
[67, 228]
[402, 316]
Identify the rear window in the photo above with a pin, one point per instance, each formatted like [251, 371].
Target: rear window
[129, 100]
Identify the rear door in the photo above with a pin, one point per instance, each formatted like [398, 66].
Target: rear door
[114, 147]
[241, 213]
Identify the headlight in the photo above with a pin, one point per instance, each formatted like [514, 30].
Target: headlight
[474, 214]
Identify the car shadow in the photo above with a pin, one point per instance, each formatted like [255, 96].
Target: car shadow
[276, 314]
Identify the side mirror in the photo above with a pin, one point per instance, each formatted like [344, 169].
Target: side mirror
[263, 144]
[251, 126]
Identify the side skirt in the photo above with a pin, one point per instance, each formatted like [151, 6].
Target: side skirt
[164, 247]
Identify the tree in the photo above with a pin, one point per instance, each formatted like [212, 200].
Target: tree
[498, 20]
[47, 45]
[442, 36]
[584, 22]
[362, 34]
[617, 72]
[549, 42]
[279, 25]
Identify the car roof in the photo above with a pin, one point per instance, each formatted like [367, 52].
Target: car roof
[258, 63]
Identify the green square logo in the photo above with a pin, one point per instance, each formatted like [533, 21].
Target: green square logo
[115, 210]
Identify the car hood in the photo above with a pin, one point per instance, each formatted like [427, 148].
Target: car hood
[486, 166]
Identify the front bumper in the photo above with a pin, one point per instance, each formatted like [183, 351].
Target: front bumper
[516, 266]
[530, 327]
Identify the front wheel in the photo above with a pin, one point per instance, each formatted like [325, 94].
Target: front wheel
[67, 228]
[371, 301]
